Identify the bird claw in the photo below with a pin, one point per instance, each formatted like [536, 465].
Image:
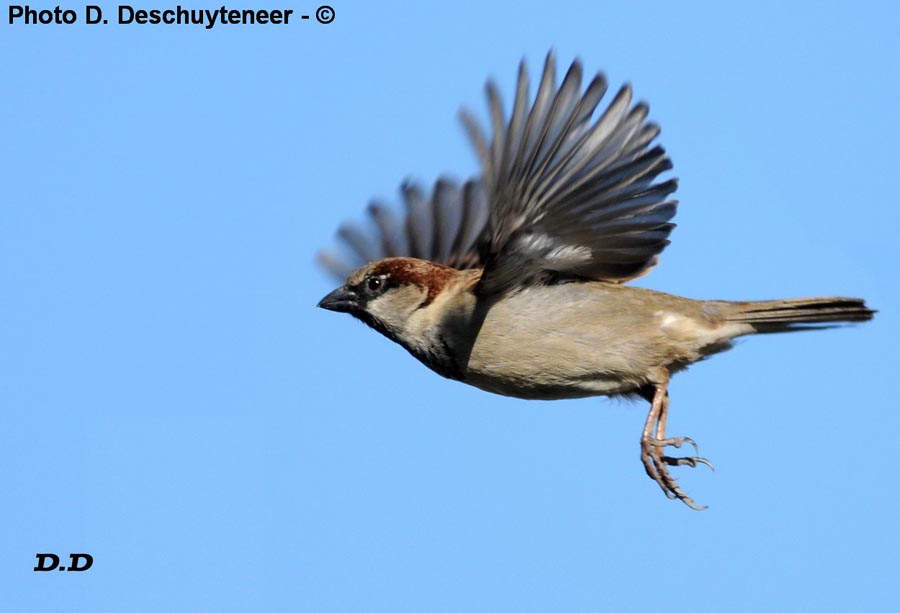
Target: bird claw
[691, 461]
[676, 442]
[656, 464]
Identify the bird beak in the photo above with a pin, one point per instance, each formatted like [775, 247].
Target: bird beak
[341, 300]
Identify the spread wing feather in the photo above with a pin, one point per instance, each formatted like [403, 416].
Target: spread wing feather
[443, 226]
[560, 193]
[568, 195]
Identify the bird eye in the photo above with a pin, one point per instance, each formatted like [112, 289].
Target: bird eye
[375, 283]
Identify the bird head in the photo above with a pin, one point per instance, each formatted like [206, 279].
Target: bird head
[386, 294]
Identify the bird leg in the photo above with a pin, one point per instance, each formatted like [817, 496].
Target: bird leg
[654, 441]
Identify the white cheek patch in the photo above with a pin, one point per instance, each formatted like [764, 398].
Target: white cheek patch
[387, 311]
[395, 307]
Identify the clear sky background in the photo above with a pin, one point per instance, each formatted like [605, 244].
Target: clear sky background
[172, 402]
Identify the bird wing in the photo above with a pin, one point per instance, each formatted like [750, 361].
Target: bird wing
[560, 194]
[442, 227]
[570, 195]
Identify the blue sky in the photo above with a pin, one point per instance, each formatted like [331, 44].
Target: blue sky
[172, 403]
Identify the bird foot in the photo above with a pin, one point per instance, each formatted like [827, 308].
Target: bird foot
[656, 464]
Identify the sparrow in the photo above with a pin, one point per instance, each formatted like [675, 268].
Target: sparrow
[515, 280]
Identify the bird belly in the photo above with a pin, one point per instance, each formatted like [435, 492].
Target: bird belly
[585, 339]
[571, 352]
[551, 366]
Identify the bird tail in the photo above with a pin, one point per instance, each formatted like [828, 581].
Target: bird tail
[795, 313]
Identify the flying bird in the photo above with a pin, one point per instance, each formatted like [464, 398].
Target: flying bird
[515, 280]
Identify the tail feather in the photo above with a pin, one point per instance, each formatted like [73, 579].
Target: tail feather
[793, 313]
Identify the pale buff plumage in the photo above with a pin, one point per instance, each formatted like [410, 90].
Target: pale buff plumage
[514, 281]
